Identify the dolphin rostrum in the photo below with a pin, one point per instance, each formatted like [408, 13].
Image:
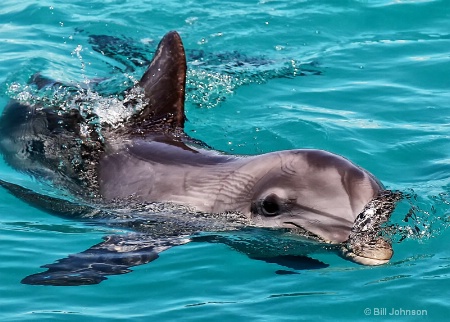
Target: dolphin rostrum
[148, 158]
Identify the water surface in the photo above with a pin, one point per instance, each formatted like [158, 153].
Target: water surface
[365, 79]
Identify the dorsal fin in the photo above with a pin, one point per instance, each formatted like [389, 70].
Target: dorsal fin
[164, 85]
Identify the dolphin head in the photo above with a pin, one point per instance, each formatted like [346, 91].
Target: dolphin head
[312, 191]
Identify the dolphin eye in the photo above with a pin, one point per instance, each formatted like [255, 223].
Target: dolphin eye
[270, 206]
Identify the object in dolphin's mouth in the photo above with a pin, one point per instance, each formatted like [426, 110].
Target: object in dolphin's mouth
[147, 157]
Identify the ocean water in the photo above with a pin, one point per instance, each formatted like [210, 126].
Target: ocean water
[367, 79]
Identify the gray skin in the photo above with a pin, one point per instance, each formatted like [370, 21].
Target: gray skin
[148, 156]
[315, 190]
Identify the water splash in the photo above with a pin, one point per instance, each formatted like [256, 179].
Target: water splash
[63, 98]
[209, 85]
[422, 219]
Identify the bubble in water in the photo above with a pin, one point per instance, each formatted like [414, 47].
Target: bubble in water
[202, 41]
[77, 51]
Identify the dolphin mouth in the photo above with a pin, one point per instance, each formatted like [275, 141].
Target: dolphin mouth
[365, 244]
[333, 234]
[370, 253]
[299, 230]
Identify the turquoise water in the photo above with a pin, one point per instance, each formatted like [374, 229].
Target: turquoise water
[375, 89]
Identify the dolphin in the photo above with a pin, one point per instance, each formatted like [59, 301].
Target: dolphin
[147, 158]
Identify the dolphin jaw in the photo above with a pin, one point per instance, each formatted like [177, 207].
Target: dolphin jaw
[366, 245]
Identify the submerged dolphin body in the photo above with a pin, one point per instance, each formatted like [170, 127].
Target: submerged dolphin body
[148, 158]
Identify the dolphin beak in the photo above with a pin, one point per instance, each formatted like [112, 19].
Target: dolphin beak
[365, 244]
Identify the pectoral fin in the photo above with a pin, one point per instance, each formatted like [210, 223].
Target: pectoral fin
[114, 256]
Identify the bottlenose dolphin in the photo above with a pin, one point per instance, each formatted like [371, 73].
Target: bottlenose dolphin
[148, 158]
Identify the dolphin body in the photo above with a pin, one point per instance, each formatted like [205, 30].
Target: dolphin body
[147, 158]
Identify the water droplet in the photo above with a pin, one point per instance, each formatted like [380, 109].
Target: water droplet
[191, 20]
[202, 41]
